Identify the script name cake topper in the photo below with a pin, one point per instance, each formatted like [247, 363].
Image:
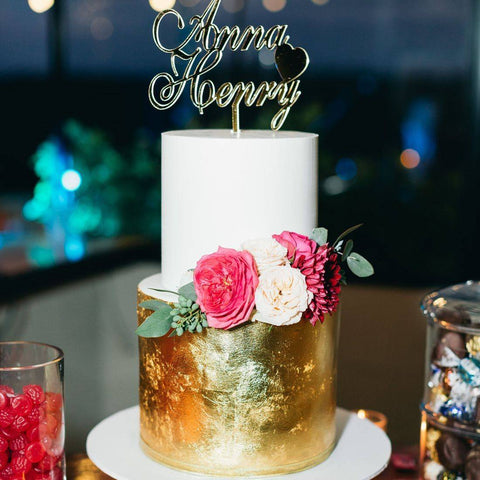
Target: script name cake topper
[202, 50]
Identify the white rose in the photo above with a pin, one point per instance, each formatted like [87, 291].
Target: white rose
[281, 296]
[267, 253]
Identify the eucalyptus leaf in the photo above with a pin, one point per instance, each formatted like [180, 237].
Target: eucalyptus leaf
[156, 325]
[348, 250]
[359, 265]
[347, 232]
[320, 235]
[152, 305]
[188, 291]
[164, 291]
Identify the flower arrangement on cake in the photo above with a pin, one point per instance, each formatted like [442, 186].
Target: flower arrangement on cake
[279, 281]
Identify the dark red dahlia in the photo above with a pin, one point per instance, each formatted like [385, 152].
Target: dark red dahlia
[320, 266]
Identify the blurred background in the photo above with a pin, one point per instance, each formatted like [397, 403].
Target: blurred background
[393, 90]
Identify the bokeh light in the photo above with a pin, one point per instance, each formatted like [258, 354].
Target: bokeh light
[410, 158]
[233, 6]
[320, 2]
[160, 5]
[71, 180]
[74, 248]
[266, 57]
[101, 28]
[346, 169]
[41, 256]
[40, 6]
[32, 210]
[274, 5]
[334, 185]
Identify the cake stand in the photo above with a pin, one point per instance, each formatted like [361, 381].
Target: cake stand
[362, 451]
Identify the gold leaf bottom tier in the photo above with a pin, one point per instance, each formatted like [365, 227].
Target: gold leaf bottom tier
[255, 400]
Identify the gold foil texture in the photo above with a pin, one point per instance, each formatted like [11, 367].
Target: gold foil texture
[255, 400]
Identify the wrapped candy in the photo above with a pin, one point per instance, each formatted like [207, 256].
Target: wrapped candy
[449, 453]
[469, 369]
[473, 346]
[472, 465]
[432, 471]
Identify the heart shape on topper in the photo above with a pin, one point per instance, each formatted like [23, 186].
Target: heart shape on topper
[291, 62]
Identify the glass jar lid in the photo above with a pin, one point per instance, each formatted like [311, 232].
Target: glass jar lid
[455, 308]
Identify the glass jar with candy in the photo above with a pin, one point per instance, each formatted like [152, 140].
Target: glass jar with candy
[32, 429]
[452, 383]
[447, 452]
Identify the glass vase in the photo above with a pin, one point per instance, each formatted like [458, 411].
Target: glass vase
[32, 427]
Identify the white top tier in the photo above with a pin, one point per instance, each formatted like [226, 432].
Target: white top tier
[220, 189]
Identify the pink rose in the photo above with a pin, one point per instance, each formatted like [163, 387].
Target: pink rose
[300, 248]
[225, 283]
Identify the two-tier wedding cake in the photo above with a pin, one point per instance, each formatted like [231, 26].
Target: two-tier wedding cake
[258, 398]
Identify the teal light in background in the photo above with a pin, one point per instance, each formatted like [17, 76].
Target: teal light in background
[33, 210]
[86, 187]
[74, 248]
[41, 256]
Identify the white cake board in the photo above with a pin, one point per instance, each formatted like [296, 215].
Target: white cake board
[362, 451]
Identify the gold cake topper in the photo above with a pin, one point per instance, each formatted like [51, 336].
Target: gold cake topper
[202, 50]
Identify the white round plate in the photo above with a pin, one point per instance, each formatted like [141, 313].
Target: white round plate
[362, 451]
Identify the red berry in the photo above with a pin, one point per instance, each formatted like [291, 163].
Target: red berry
[21, 405]
[46, 442]
[8, 390]
[6, 418]
[9, 433]
[46, 464]
[35, 392]
[34, 475]
[35, 415]
[3, 444]
[20, 424]
[57, 474]
[49, 426]
[54, 401]
[19, 443]
[33, 434]
[4, 400]
[20, 464]
[3, 460]
[35, 452]
[6, 472]
[17, 476]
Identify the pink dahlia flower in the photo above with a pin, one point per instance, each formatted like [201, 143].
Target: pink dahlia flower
[319, 265]
[225, 283]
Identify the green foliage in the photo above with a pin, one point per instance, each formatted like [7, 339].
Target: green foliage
[320, 235]
[187, 316]
[359, 265]
[184, 316]
[347, 250]
[188, 291]
[157, 324]
[152, 305]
